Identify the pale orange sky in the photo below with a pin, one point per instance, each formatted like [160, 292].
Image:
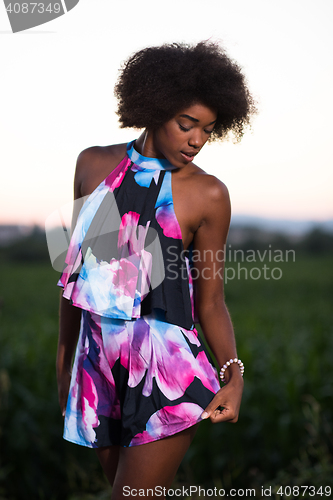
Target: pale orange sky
[57, 99]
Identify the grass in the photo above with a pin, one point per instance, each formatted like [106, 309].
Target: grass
[284, 435]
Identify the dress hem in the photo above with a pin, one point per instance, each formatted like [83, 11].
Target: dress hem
[189, 424]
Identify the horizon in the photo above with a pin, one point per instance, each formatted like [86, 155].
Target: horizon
[238, 219]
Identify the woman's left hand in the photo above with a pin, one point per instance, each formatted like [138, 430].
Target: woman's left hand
[229, 397]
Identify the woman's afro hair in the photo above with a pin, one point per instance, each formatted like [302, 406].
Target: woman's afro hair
[156, 83]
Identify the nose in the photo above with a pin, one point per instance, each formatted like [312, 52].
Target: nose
[196, 140]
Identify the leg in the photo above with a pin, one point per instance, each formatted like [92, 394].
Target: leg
[150, 465]
[108, 458]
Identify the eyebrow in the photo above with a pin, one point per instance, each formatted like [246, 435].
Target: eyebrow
[195, 119]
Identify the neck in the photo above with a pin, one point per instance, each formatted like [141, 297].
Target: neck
[145, 145]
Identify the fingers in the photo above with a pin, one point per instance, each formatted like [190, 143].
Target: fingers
[224, 415]
[62, 404]
[62, 397]
[220, 414]
[223, 408]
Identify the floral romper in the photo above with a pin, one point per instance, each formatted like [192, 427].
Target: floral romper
[141, 371]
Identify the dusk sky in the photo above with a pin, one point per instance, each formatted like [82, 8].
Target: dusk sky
[57, 99]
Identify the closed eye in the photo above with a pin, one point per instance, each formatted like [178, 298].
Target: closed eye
[184, 129]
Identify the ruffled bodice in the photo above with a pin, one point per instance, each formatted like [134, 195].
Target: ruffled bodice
[126, 255]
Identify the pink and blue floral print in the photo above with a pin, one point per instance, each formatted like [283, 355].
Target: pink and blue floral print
[126, 255]
[137, 381]
[141, 372]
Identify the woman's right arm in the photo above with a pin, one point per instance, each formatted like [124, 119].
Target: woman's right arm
[69, 315]
[91, 167]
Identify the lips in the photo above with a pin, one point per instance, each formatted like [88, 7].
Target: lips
[188, 155]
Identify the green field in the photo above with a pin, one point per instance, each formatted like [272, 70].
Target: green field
[284, 435]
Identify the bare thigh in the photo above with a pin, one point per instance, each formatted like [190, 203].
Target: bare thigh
[109, 457]
[144, 466]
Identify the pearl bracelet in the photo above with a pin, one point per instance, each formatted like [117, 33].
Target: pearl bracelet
[228, 363]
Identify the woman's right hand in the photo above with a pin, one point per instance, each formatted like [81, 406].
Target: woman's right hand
[64, 379]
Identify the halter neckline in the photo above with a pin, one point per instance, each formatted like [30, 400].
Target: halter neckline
[147, 162]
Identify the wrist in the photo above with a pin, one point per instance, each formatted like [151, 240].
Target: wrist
[234, 378]
[232, 369]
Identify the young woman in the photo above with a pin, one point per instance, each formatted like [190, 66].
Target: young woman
[145, 263]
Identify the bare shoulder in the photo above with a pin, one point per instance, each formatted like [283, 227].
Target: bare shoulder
[214, 210]
[94, 164]
[96, 156]
[210, 190]
[214, 187]
[100, 152]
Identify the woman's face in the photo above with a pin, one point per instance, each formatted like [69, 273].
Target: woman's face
[182, 137]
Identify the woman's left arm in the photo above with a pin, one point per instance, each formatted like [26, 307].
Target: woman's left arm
[209, 243]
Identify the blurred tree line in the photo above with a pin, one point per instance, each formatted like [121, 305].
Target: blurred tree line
[33, 248]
